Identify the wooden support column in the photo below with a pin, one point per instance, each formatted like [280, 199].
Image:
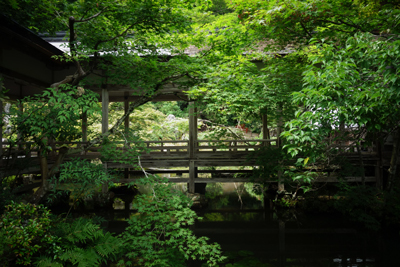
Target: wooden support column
[281, 185]
[192, 176]
[192, 145]
[104, 124]
[126, 122]
[265, 130]
[104, 108]
[84, 126]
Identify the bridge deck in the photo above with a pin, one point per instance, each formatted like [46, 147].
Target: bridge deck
[170, 154]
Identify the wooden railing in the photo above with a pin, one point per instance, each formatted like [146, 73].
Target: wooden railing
[169, 147]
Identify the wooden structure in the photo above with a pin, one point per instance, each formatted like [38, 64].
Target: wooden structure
[27, 67]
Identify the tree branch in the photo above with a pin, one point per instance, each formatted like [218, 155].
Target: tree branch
[92, 17]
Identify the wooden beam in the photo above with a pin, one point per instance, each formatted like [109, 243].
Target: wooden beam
[104, 127]
[104, 105]
[192, 145]
[281, 185]
[192, 129]
[192, 176]
[84, 126]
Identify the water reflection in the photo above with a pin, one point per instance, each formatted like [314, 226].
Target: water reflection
[255, 236]
[258, 236]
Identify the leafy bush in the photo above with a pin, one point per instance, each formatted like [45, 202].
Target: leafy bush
[369, 205]
[25, 233]
[159, 235]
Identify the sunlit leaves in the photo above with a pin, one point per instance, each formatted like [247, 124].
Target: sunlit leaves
[49, 116]
[158, 235]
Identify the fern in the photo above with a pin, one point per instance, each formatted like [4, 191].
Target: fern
[83, 244]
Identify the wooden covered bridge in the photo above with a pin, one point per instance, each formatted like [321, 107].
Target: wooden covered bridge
[27, 67]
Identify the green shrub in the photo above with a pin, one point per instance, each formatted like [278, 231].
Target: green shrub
[25, 233]
[160, 234]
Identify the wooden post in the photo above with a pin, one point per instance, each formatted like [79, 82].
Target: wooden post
[192, 129]
[265, 130]
[281, 185]
[192, 145]
[104, 105]
[84, 126]
[192, 176]
[126, 122]
[104, 124]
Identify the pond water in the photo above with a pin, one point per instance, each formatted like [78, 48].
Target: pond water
[252, 235]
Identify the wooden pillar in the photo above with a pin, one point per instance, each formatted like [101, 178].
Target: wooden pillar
[192, 129]
[104, 124]
[265, 130]
[192, 144]
[104, 107]
[84, 126]
[126, 122]
[192, 176]
[281, 185]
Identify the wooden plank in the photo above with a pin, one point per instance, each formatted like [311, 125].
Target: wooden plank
[192, 129]
[104, 107]
[84, 128]
[265, 130]
[192, 176]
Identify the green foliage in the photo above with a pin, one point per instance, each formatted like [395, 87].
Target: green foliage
[298, 21]
[368, 205]
[173, 108]
[266, 158]
[80, 177]
[47, 116]
[37, 15]
[159, 235]
[124, 152]
[355, 86]
[25, 233]
[219, 7]
[82, 243]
